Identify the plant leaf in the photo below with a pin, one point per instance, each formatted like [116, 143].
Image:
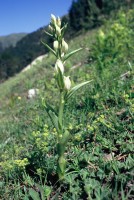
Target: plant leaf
[34, 194]
[41, 191]
[47, 191]
[71, 53]
[60, 79]
[46, 45]
[53, 116]
[63, 29]
[25, 197]
[74, 89]
[48, 107]
[48, 33]
[54, 120]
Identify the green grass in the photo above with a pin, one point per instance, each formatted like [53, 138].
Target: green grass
[99, 118]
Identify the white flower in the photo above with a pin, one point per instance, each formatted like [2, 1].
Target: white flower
[53, 19]
[55, 45]
[67, 82]
[62, 55]
[59, 22]
[59, 65]
[58, 30]
[64, 46]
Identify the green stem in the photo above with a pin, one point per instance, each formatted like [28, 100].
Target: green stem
[61, 165]
[61, 108]
[61, 147]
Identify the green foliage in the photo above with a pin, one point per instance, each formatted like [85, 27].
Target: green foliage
[84, 14]
[109, 6]
[87, 14]
[114, 45]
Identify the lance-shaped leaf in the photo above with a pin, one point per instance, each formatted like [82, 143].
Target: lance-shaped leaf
[63, 29]
[48, 33]
[54, 120]
[74, 89]
[53, 116]
[60, 79]
[46, 45]
[34, 194]
[71, 53]
[50, 108]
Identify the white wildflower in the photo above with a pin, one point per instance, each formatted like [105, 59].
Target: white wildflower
[67, 82]
[59, 65]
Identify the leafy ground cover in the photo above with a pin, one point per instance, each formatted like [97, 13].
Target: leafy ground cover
[99, 118]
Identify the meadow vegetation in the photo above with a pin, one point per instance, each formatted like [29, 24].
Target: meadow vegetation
[99, 119]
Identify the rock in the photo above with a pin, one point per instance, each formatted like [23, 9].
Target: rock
[109, 157]
[34, 62]
[32, 93]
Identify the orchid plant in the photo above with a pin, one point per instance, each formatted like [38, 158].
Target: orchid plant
[60, 51]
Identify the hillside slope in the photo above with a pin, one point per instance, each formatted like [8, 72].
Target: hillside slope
[14, 59]
[10, 40]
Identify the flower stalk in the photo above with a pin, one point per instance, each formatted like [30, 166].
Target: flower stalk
[60, 49]
[61, 108]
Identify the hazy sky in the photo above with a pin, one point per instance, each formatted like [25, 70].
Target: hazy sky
[28, 15]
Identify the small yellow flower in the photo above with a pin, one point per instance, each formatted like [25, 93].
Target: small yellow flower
[70, 127]
[101, 34]
[90, 128]
[45, 134]
[46, 126]
[78, 137]
[39, 171]
[19, 98]
[21, 163]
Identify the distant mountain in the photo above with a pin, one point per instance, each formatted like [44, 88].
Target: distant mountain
[14, 59]
[10, 40]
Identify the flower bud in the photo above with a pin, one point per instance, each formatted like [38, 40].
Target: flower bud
[64, 46]
[67, 82]
[58, 30]
[59, 22]
[59, 65]
[62, 55]
[55, 45]
[53, 19]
